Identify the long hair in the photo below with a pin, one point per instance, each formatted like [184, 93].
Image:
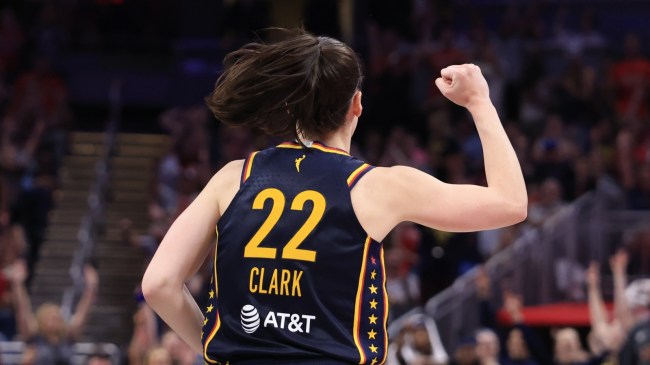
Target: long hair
[300, 86]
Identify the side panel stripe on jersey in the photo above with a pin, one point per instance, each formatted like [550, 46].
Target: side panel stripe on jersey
[248, 166]
[358, 304]
[217, 322]
[354, 176]
[383, 274]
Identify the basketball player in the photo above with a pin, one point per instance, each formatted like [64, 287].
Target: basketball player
[299, 269]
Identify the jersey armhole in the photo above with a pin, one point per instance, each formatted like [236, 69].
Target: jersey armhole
[248, 167]
[357, 174]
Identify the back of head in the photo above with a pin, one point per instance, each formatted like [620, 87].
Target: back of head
[302, 85]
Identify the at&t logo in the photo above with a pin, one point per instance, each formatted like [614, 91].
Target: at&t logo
[250, 319]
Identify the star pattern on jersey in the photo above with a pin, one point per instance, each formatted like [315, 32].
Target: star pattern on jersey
[209, 308]
[375, 312]
[373, 288]
[373, 319]
[211, 294]
[205, 321]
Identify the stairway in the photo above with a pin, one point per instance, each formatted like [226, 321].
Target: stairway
[76, 175]
[120, 266]
[133, 168]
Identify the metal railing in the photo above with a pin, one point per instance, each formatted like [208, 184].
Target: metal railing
[11, 352]
[93, 220]
[544, 265]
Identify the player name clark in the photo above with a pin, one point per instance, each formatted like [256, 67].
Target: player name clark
[278, 282]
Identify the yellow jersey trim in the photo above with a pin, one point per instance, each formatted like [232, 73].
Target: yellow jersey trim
[358, 304]
[315, 145]
[353, 176]
[249, 166]
[218, 318]
[383, 269]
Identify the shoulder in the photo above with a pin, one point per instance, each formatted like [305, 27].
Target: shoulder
[387, 179]
[229, 174]
[223, 186]
[379, 197]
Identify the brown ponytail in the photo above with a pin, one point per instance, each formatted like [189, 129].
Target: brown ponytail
[303, 84]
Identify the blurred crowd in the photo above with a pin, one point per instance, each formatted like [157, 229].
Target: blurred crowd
[618, 332]
[34, 120]
[573, 99]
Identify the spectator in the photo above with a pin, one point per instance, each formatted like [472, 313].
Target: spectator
[420, 344]
[99, 359]
[50, 336]
[487, 347]
[606, 336]
[567, 349]
[145, 333]
[158, 356]
[549, 203]
[180, 352]
[636, 349]
[629, 81]
[639, 196]
[465, 353]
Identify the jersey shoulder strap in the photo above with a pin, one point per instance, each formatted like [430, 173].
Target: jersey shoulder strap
[248, 166]
[361, 169]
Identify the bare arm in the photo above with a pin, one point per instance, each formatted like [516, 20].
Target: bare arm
[597, 311]
[25, 319]
[182, 252]
[618, 264]
[144, 334]
[80, 316]
[408, 194]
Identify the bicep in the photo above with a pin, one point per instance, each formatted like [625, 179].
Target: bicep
[423, 199]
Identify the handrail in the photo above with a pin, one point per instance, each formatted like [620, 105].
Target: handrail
[543, 265]
[11, 352]
[94, 218]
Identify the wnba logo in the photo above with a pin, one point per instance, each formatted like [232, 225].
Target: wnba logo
[250, 319]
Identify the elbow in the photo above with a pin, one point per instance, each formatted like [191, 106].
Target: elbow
[154, 287]
[517, 211]
[521, 211]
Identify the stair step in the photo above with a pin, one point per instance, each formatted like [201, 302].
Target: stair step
[143, 139]
[87, 137]
[50, 280]
[87, 149]
[140, 185]
[136, 150]
[119, 163]
[76, 184]
[58, 233]
[70, 194]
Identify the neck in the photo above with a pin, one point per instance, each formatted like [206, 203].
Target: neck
[339, 139]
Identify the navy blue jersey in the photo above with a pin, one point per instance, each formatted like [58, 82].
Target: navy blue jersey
[296, 277]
